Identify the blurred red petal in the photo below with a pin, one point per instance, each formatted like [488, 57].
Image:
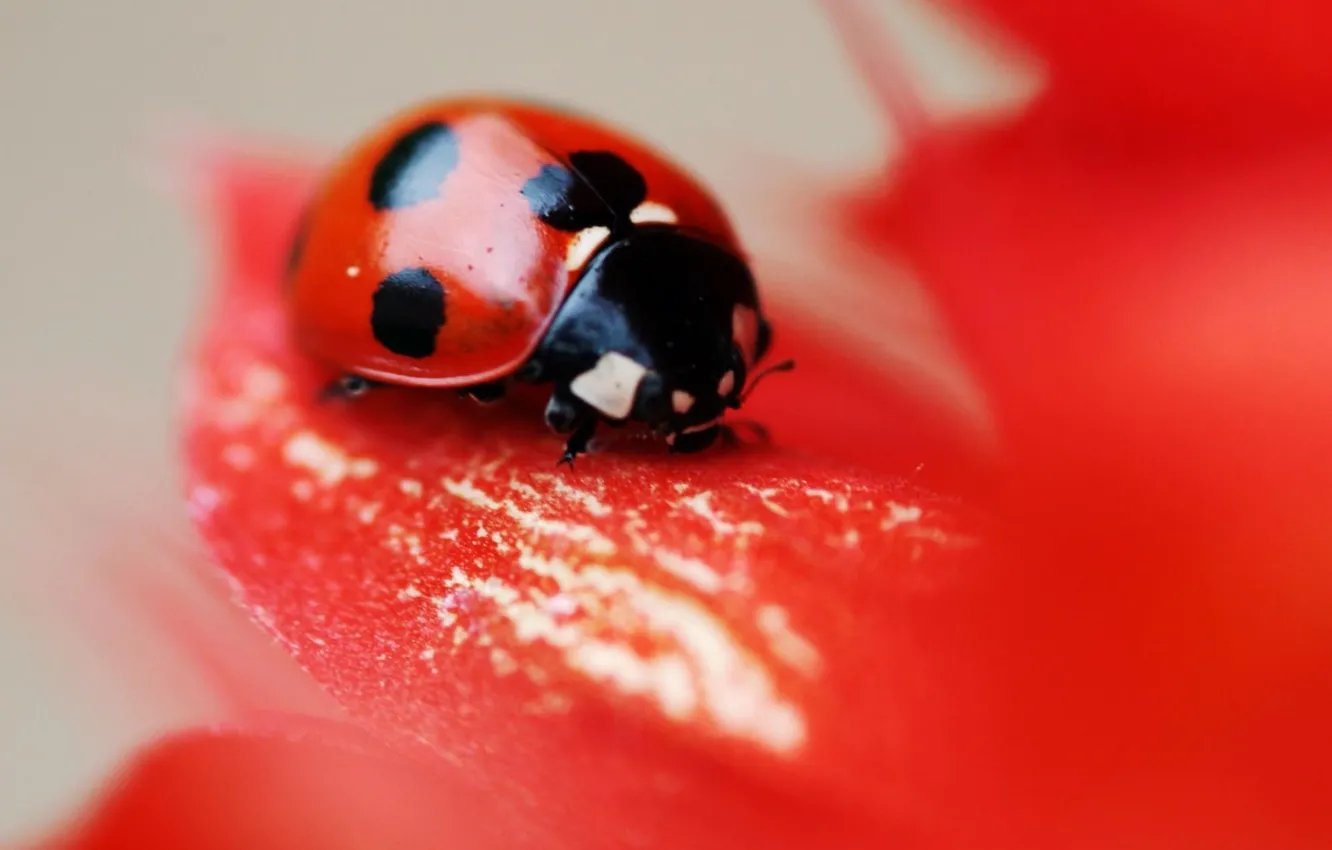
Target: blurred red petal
[1148, 323]
[1241, 68]
[639, 640]
[205, 790]
[320, 789]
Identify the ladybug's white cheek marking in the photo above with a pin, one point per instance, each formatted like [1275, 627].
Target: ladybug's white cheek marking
[651, 212]
[610, 386]
[583, 245]
[681, 401]
[726, 384]
[744, 331]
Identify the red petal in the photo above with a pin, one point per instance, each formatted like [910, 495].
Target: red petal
[1149, 324]
[307, 789]
[1240, 67]
[642, 639]
[207, 790]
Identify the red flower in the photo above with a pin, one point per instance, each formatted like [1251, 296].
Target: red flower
[801, 644]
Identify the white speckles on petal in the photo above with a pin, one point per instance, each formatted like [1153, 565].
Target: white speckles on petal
[667, 679]
[691, 570]
[409, 592]
[765, 496]
[260, 388]
[900, 515]
[643, 638]
[590, 500]
[203, 500]
[411, 487]
[366, 513]
[701, 504]
[238, 456]
[329, 464]
[588, 535]
[503, 662]
[263, 383]
[785, 642]
[840, 502]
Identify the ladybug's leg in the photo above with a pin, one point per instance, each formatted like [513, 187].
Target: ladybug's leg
[347, 387]
[694, 441]
[578, 440]
[568, 414]
[488, 393]
[730, 433]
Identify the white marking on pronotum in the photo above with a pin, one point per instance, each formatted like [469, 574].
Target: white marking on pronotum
[583, 245]
[610, 386]
[726, 384]
[651, 212]
[681, 401]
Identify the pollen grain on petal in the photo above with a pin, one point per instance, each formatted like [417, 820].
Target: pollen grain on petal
[701, 505]
[411, 487]
[765, 496]
[692, 570]
[899, 515]
[255, 393]
[786, 643]
[327, 462]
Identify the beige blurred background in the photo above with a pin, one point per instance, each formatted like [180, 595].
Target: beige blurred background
[100, 271]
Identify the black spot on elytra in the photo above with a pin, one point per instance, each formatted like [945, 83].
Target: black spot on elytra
[563, 201]
[415, 167]
[618, 183]
[596, 189]
[408, 312]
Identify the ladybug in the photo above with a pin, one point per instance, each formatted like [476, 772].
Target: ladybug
[471, 243]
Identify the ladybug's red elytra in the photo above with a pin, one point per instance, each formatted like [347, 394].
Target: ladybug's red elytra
[468, 243]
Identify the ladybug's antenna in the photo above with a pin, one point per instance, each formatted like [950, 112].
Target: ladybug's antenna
[784, 366]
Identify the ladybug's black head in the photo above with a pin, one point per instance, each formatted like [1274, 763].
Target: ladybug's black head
[662, 328]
